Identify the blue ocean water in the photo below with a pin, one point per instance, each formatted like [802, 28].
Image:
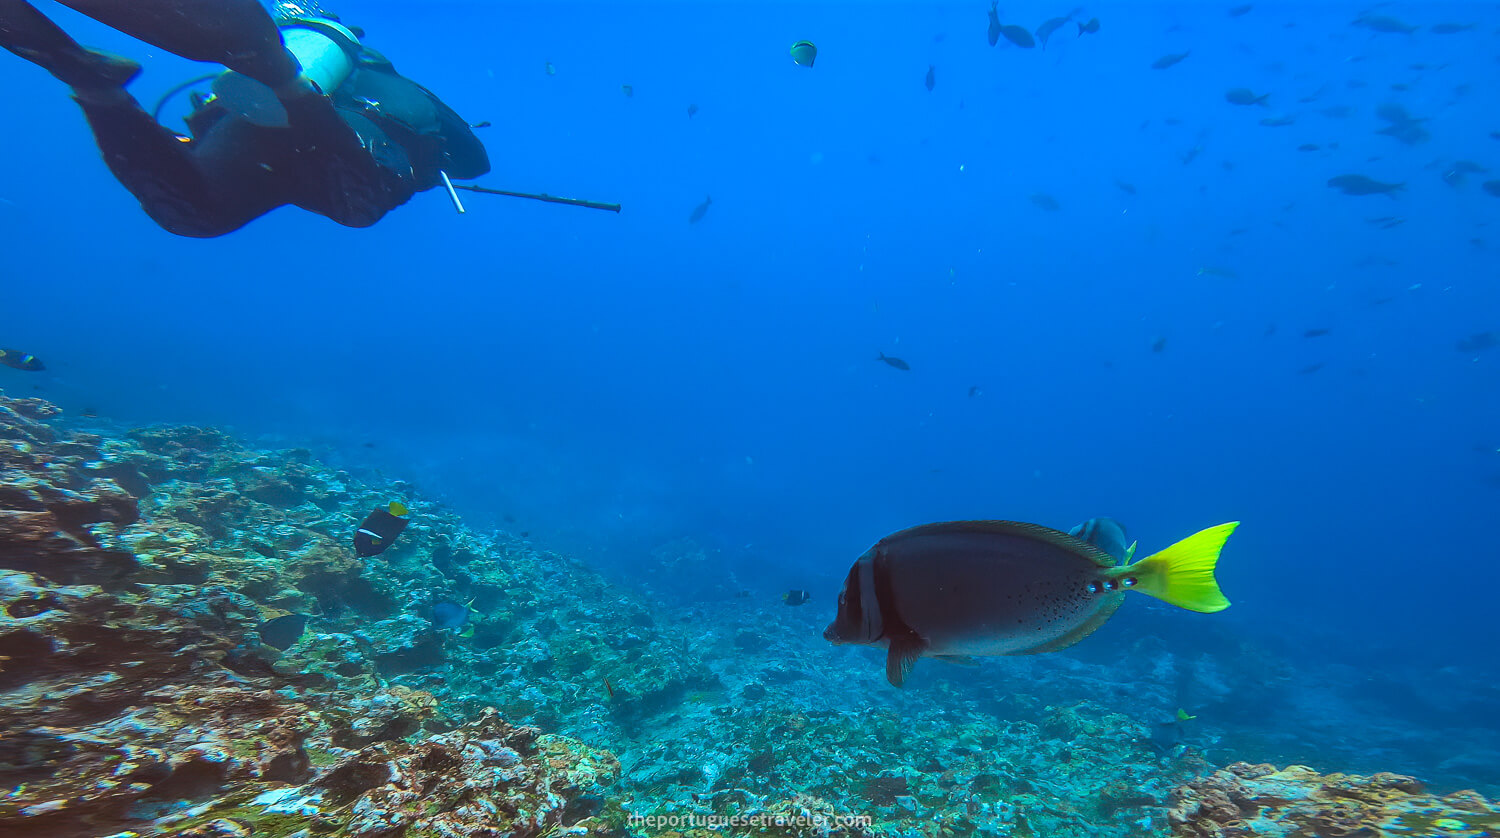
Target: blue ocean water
[612, 383]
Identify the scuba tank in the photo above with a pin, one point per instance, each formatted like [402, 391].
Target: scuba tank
[327, 51]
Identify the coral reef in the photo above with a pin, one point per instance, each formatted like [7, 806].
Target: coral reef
[133, 576]
[1259, 800]
[138, 570]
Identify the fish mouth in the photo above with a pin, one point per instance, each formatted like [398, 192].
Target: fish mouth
[831, 636]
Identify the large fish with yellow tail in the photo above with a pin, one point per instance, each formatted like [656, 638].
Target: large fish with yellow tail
[979, 588]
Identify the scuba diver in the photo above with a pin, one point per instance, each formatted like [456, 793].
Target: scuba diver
[305, 114]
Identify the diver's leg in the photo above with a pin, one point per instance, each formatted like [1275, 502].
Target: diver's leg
[33, 36]
[239, 34]
[201, 189]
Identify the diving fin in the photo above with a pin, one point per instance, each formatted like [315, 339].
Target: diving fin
[34, 37]
[238, 34]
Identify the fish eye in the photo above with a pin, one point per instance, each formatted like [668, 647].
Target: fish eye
[1129, 582]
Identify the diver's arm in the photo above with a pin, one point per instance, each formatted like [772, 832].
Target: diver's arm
[463, 155]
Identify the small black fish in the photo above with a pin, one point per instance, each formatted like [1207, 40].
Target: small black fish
[1159, 344]
[700, 210]
[628, 90]
[895, 362]
[1407, 133]
[994, 33]
[974, 391]
[1479, 342]
[1017, 35]
[1239, 11]
[484, 124]
[1309, 147]
[931, 77]
[1166, 736]
[1169, 60]
[1449, 28]
[1392, 112]
[1245, 96]
[449, 615]
[283, 631]
[379, 529]
[1315, 333]
[1045, 201]
[1361, 185]
[1088, 28]
[692, 111]
[796, 597]
[1384, 23]
[1127, 188]
[18, 360]
[1492, 187]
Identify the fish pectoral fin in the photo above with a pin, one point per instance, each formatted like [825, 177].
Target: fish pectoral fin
[902, 657]
[961, 660]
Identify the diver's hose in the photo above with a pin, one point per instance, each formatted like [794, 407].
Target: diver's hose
[168, 96]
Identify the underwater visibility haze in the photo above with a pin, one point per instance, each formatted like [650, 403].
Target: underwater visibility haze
[559, 507]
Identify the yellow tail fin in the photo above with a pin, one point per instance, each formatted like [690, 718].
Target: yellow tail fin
[1183, 574]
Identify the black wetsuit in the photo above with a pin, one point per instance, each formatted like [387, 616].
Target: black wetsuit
[352, 155]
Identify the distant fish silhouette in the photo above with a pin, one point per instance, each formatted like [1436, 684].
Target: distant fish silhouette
[1045, 201]
[1018, 35]
[931, 77]
[895, 362]
[282, 632]
[1361, 185]
[1316, 333]
[1245, 96]
[1168, 60]
[1479, 342]
[700, 210]
[1045, 31]
[1384, 23]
